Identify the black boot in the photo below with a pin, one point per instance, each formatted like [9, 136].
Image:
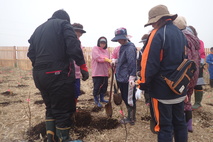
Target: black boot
[130, 117]
[51, 130]
[63, 135]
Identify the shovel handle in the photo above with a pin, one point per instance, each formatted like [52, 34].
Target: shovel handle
[111, 83]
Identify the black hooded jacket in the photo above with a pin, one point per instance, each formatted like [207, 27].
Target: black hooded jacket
[54, 45]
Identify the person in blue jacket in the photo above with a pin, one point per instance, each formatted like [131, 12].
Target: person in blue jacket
[162, 54]
[209, 60]
[126, 73]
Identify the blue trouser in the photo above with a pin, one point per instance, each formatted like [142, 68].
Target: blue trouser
[77, 88]
[171, 121]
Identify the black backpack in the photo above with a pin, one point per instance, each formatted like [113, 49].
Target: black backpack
[180, 79]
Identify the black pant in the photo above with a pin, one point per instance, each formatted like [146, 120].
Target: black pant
[124, 93]
[211, 83]
[58, 95]
[100, 85]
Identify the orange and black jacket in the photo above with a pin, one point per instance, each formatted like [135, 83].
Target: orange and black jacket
[162, 54]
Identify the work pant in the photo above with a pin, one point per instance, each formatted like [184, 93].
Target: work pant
[124, 93]
[77, 88]
[100, 85]
[170, 120]
[58, 95]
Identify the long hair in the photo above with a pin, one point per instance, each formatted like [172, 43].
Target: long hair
[194, 30]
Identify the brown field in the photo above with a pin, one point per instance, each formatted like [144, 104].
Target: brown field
[22, 115]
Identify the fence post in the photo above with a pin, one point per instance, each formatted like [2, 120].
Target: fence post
[14, 56]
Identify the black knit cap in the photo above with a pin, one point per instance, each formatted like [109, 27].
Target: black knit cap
[61, 14]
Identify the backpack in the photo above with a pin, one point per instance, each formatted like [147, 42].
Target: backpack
[180, 78]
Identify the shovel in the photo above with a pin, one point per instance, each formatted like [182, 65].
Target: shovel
[108, 106]
[117, 95]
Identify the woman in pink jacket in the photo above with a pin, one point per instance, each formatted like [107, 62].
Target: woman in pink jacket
[100, 67]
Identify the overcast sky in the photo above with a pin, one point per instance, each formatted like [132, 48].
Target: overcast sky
[19, 18]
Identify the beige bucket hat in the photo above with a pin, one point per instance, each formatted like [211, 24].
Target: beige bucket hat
[157, 12]
[180, 22]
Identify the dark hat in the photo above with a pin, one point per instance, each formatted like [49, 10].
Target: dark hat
[61, 14]
[120, 33]
[158, 12]
[78, 27]
[144, 38]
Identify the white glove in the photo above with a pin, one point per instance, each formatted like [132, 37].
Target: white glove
[132, 81]
[114, 61]
[202, 61]
[138, 94]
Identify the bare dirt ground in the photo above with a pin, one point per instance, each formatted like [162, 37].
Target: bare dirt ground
[22, 115]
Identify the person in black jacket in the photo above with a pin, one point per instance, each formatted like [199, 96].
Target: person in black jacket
[53, 49]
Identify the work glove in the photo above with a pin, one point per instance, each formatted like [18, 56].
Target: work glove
[138, 94]
[132, 81]
[202, 61]
[113, 61]
[84, 72]
[107, 60]
[143, 86]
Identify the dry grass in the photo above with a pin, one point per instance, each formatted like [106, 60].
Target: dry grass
[18, 94]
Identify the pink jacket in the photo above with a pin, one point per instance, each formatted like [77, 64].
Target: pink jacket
[77, 70]
[202, 51]
[99, 66]
[115, 52]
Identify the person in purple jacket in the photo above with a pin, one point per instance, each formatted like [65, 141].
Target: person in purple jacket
[100, 66]
[126, 73]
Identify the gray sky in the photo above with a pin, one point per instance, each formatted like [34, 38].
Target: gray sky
[19, 18]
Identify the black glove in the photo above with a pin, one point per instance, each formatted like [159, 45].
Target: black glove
[84, 72]
[143, 86]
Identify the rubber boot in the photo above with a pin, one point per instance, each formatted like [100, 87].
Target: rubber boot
[97, 102]
[130, 117]
[63, 135]
[188, 116]
[133, 115]
[198, 99]
[102, 98]
[51, 130]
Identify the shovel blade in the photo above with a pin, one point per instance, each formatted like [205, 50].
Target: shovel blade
[108, 109]
[117, 98]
